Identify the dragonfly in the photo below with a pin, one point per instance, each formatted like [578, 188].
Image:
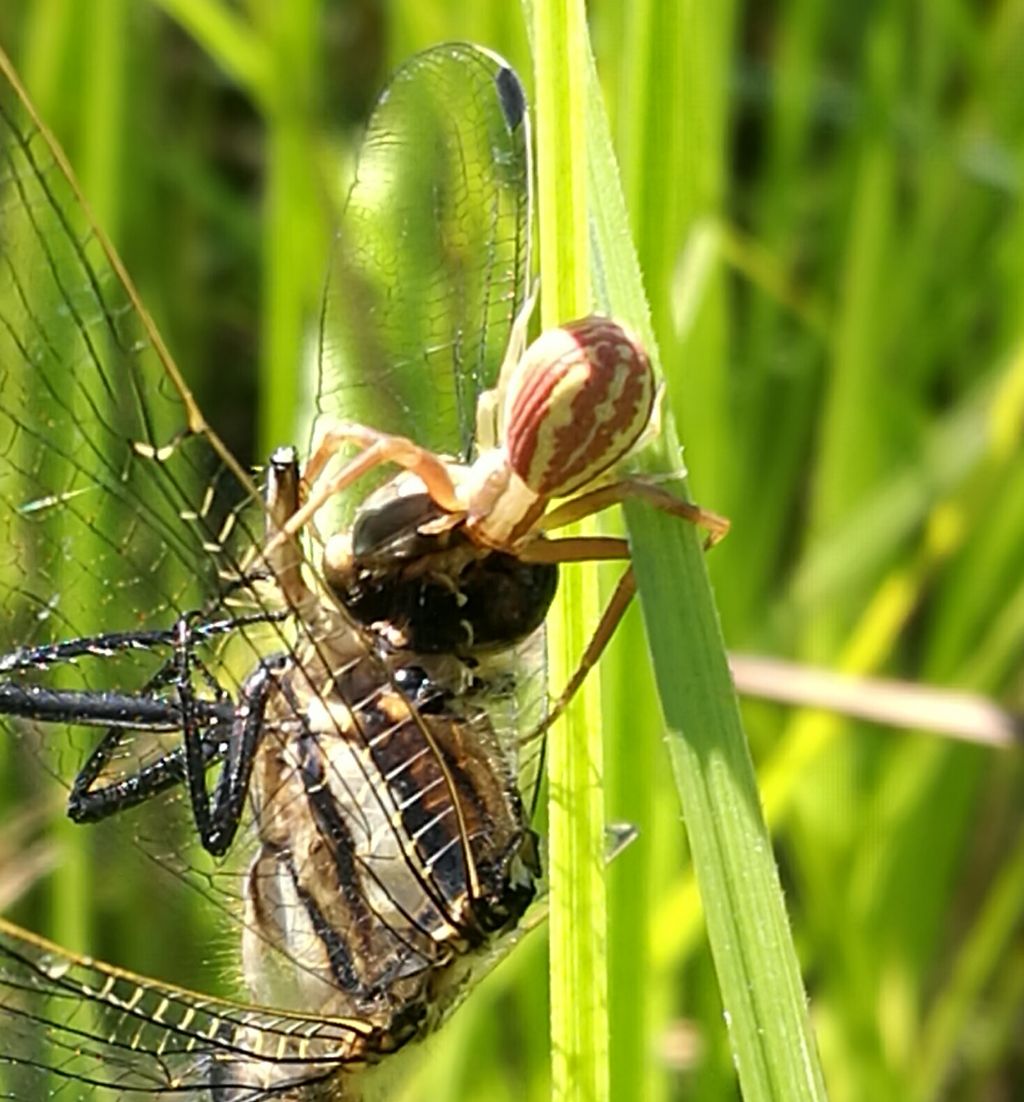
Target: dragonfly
[359, 800]
[354, 673]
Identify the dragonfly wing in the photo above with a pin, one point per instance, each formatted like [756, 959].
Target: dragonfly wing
[119, 507]
[430, 270]
[431, 263]
[77, 1024]
[121, 512]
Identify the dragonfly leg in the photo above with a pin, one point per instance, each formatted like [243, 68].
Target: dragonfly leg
[88, 804]
[217, 818]
[127, 716]
[108, 644]
[99, 646]
[209, 734]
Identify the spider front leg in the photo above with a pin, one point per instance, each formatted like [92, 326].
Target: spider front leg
[378, 448]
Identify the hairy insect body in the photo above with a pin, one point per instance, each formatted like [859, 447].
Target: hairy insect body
[391, 842]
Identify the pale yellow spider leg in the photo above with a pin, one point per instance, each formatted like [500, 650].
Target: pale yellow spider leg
[378, 448]
[610, 619]
[573, 549]
[592, 548]
[614, 493]
[488, 409]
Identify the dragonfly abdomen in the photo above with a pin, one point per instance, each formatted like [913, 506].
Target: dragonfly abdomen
[390, 846]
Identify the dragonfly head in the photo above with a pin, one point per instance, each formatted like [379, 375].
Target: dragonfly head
[409, 570]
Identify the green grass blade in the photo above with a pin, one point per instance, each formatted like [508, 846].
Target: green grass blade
[640, 76]
[579, 1014]
[747, 925]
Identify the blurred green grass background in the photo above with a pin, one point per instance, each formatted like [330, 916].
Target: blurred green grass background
[825, 201]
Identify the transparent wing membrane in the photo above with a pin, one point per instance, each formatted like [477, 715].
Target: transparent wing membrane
[431, 263]
[354, 816]
[116, 508]
[110, 1034]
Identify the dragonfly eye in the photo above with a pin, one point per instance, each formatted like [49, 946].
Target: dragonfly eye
[578, 401]
[436, 591]
[389, 530]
